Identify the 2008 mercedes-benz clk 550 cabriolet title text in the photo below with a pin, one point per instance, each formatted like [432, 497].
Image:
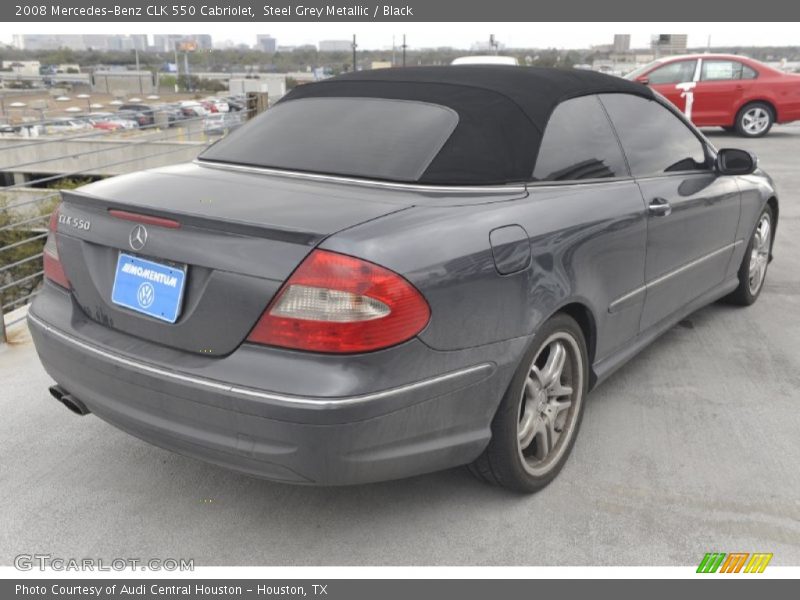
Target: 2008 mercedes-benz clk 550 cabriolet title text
[398, 271]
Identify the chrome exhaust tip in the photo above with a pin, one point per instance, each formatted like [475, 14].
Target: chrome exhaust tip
[68, 400]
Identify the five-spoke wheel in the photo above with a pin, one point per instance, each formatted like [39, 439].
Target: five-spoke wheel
[754, 120]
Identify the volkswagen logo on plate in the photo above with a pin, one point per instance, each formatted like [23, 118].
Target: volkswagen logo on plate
[138, 237]
[146, 294]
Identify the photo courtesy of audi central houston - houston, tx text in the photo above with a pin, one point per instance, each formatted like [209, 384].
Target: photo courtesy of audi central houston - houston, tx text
[292, 290]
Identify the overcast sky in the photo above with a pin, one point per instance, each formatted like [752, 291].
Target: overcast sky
[462, 35]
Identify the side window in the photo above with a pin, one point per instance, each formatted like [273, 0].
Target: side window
[579, 143]
[654, 139]
[674, 72]
[725, 70]
[748, 73]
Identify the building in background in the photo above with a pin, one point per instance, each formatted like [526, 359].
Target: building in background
[22, 67]
[129, 42]
[49, 42]
[80, 42]
[266, 43]
[274, 84]
[166, 42]
[622, 42]
[335, 46]
[122, 83]
[100, 42]
[665, 44]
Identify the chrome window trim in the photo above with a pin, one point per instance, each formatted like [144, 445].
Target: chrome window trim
[568, 182]
[414, 187]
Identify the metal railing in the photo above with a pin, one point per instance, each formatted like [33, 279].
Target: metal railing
[23, 221]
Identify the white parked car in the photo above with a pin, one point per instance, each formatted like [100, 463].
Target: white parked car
[65, 125]
[221, 122]
[486, 60]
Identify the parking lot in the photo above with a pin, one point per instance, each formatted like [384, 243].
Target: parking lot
[690, 448]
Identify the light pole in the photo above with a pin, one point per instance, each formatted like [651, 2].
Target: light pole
[354, 52]
[177, 67]
[404, 46]
[138, 75]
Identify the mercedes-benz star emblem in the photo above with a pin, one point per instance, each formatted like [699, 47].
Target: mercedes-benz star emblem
[138, 237]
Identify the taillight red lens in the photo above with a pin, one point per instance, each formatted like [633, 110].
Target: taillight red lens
[53, 269]
[340, 304]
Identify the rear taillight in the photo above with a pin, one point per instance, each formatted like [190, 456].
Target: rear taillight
[53, 269]
[340, 304]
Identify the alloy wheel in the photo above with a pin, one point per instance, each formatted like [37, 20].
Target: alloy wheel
[550, 403]
[755, 120]
[759, 254]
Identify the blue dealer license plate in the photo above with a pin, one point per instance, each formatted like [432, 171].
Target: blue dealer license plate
[148, 287]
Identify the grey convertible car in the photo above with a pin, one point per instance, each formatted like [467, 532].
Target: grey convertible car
[397, 271]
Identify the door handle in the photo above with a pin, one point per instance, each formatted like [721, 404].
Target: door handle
[659, 207]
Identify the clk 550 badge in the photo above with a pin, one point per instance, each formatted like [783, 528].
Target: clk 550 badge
[75, 222]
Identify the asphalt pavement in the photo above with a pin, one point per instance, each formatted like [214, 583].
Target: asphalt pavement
[692, 447]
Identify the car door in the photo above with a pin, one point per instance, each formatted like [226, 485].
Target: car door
[598, 214]
[719, 91]
[672, 80]
[692, 212]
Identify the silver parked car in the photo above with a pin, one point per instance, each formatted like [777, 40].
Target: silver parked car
[222, 122]
[398, 271]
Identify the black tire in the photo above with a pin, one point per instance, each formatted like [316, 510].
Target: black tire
[504, 462]
[750, 110]
[745, 294]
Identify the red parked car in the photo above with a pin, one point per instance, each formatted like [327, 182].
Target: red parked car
[725, 90]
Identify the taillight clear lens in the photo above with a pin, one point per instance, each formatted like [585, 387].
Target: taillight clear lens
[53, 269]
[341, 304]
[319, 304]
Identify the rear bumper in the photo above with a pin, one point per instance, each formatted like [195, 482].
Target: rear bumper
[426, 424]
[788, 112]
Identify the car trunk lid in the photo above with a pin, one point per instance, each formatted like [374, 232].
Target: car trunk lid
[237, 235]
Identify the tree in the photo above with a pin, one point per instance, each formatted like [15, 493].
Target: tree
[23, 253]
[22, 246]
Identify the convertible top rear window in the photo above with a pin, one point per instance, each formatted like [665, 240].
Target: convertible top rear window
[360, 137]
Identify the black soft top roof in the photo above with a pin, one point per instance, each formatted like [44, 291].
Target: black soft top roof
[503, 111]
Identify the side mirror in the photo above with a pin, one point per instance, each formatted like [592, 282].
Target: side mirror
[643, 79]
[731, 161]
